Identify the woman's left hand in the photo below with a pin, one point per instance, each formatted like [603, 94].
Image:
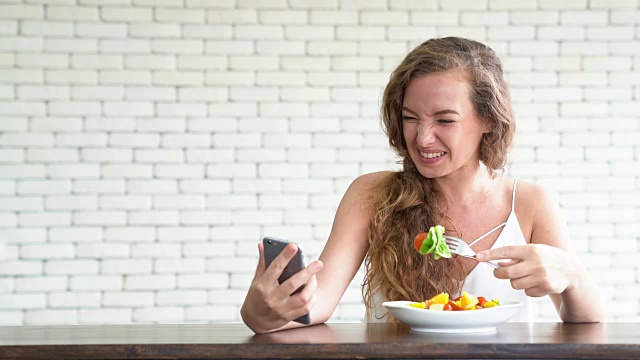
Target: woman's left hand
[537, 269]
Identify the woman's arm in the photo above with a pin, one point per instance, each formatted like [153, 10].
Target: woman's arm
[548, 265]
[269, 306]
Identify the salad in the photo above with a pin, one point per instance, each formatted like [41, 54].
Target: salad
[466, 301]
[432, 242]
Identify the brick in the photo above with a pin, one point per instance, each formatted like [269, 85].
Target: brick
[72, 76]
[73, 171]
[126, 14]
[134, 140]
[179, 171]
[22, 171]
[311, 186]
[21, 236]
[99, 186]
[561, 33]
[511, 33]
[98, 217]
[152, 217]
[188, 16]
[153, 62]
[128, 299]
[100, 30]
[126, 266]
[203, 281]
[159, 314]
[269, 109]
[42, 61]
[610, 33]
[152, 186]
[236, 16]
[568, 4]
[560, 63]
[11, 318]
[104, 316]
[260, 155]
[91, 61]
[102, 250]
[127, 202]
[66, 300]
[125, 77]
[150, 282]
[159, 156]
[220, 233]
[181, 297]
[50, 317]
[333, 17]
[373, 33]
[95, 283]
[41, 284]
[75, 234]
[186, 109]
[233, 201]
[21, 76]
[71, 267]
[263, 125]
[298, 94]
[127, 171]
[208, 249]
[21, 12]
[129, 234]
[433, 18]
[298, 63]
[14, 268]
[254, 186]
[151, 30]
[210, 155]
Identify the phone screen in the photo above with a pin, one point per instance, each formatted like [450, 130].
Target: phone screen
[272, 248]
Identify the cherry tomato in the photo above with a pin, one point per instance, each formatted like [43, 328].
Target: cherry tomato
[417, 242]
[447, 307]
[482, 300]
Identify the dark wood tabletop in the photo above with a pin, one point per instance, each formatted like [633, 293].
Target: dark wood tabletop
[337, 340]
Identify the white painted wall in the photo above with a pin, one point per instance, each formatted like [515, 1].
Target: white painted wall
[147, 146]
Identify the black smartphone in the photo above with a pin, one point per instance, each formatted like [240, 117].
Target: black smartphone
[273, 247]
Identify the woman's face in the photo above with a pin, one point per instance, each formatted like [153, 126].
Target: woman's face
[440, 126]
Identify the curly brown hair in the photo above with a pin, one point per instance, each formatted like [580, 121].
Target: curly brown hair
[405, 202]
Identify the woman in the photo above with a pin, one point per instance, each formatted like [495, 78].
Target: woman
[448, 116]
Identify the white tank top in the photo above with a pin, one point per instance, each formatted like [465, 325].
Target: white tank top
[480, 281]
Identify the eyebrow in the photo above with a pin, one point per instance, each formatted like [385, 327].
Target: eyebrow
[440, 112]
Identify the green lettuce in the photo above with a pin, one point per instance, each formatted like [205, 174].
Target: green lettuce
[434, 243]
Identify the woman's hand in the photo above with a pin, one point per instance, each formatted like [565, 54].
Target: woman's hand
[269, 305]
[537, 269]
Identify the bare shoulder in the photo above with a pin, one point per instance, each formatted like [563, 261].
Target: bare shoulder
[363, 184]
[539, 212]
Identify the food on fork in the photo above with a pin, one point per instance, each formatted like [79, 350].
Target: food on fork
[466, 301]
[432, 242]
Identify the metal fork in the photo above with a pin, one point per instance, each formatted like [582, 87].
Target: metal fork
[458, 246]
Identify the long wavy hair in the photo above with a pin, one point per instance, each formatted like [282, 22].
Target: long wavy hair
[405, 202]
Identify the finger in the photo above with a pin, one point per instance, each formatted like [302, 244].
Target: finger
[273, 272]
[514, 271]
[304, 301]
[536, 291]
[523, 283]
[260, 268]
[301, 277]
[513, 252]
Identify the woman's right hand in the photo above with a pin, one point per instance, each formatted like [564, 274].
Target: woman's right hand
[269, 306]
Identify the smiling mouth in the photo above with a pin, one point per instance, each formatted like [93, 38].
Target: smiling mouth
[432, 155]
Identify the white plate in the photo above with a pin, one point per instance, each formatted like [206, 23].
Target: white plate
[467, 321]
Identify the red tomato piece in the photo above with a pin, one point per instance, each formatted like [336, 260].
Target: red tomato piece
[447, 307]
[482, 300]
[417, 242]
[454, 306]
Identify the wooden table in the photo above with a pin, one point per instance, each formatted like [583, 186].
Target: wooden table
[338, 340]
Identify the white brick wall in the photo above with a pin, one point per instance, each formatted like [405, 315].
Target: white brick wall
[147, 146]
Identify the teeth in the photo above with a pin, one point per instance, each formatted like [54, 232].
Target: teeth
[431, 155]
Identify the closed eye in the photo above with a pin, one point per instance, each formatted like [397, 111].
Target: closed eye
[445, 121]
[409, 118]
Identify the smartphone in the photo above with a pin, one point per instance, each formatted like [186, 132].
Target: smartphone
[273, 247]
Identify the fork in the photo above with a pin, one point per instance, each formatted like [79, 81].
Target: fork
[458, 246]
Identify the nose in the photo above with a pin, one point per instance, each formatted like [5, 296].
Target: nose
[426, 134]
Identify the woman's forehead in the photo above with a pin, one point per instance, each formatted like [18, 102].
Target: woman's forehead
[435, 91]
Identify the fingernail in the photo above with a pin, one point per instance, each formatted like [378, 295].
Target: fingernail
[480, 256]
